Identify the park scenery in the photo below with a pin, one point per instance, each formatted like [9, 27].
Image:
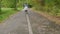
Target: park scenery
[29, 16]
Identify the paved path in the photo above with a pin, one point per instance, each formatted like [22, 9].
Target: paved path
[22, 23]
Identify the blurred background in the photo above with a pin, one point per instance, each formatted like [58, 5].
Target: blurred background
[8, 7]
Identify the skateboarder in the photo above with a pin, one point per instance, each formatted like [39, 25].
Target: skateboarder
[25, 7]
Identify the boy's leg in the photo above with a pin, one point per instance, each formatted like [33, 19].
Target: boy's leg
[26, 11]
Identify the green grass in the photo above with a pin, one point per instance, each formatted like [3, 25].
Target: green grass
[6, 12]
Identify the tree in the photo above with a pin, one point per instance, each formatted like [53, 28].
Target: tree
[0, 6]
[15, 4]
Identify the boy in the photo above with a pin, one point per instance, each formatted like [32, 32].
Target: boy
[25, 7]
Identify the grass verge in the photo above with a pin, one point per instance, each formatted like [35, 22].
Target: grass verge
[48, 16]
[6, 12]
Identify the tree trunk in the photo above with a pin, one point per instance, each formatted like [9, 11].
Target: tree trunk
[15, 3]
[0, 6]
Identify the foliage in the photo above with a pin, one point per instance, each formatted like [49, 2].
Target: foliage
[49, 6]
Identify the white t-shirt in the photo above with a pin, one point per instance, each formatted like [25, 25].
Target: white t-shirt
[25, 8]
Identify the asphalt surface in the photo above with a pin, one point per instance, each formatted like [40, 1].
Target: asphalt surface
[38, 24]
